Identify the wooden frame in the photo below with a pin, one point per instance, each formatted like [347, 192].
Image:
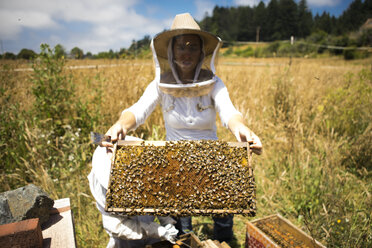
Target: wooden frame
[177, 212]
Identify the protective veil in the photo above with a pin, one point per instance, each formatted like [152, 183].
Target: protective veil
[189, 109]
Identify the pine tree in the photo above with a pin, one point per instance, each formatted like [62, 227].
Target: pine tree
[323, 22]
[272, 30]
[245, 23]
[259, 20]
[352, 18]
[288, 19]
[305, 19]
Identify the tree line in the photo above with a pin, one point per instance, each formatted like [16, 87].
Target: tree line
[278, 20]
[138, 48]
[281, 19]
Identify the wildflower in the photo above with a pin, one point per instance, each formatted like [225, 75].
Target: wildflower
[338, 221]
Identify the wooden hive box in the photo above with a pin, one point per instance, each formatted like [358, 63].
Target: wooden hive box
[24, 233]
[181, 178]
[276, 231]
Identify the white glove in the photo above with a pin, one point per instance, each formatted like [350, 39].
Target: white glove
[168, 232]
[165, 220]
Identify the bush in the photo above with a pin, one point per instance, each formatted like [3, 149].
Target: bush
[286, 50]
[354, 53]
[228, 52]
[365, 39]
[258, 52]
[59, 116]
[273, 48]
[340, 41]
[8, 55]
[59, 51]
[247, 52]
[317, 37]
[26, 54]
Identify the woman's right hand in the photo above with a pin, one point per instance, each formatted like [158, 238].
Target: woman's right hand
[115, 133]
[127, 121]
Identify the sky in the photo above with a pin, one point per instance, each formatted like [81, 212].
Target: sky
[100, 25]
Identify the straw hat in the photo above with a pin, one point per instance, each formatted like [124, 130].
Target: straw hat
[184, 24]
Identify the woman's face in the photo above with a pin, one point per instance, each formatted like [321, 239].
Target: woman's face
[186, 52]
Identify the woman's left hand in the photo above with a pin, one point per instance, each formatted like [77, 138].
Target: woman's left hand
[244, 134]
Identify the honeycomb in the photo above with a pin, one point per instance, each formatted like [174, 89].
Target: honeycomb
[181, 178]
[279, 235]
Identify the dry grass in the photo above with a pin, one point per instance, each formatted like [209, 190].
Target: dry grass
[279, 99]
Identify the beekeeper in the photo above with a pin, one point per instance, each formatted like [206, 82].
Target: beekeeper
[126, 232]
[190, 95]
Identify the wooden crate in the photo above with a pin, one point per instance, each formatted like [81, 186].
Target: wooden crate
[276, 231]
[181, 178]
[25, 233]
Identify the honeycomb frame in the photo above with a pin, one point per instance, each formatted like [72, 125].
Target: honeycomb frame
[181, 178]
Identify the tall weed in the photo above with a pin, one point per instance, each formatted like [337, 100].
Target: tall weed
[305, 166]
[50, 147]
[347, 111]
[11, 130]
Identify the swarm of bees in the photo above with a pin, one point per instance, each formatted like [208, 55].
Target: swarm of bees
[181, 178]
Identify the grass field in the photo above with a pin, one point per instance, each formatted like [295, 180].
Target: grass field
[313, 117]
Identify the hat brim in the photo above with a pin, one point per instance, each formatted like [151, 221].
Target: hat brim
[162, 39]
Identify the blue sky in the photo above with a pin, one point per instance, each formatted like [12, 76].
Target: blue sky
[100, 25]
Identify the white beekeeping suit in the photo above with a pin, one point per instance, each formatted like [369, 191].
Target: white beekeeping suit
[126, 232]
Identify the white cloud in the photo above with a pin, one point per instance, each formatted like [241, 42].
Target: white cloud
[107, 23]
[12, 22]
[72, 10]
[9, 28]
[202, 7]
[320, 3]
